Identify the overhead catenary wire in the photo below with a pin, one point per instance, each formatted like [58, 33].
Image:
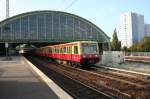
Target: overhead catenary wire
[61, 4]
[71, 4]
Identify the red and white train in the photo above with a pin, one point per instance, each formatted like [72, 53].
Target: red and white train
[81, 53]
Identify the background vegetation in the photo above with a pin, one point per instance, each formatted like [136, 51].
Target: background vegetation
[143, 46]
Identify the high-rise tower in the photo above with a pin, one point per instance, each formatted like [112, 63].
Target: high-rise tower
[147, 29]
[7, 8]
[131, 28]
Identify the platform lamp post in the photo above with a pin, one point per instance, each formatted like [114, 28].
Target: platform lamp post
[7, 16]
[6, 30]
[6, 46]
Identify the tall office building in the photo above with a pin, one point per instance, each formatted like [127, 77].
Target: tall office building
[132, 28]
[147, 29]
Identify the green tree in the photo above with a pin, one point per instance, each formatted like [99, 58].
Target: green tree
[134, 47]
[143, 46]
[115, 44]
[124, 48]
[119, 45]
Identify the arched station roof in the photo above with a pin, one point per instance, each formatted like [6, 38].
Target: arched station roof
[49, 26]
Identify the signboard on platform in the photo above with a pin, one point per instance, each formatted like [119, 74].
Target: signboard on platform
[6, 45]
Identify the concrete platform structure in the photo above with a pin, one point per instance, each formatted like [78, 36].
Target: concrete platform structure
[18, 80]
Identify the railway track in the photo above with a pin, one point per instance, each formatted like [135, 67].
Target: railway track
[132, 78]
[113, 83]
[137, 75]
[106, 83]
[77, 90]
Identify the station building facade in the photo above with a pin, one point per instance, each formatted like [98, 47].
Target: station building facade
[49, 26]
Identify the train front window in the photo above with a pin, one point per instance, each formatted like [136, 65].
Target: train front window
[89, 48]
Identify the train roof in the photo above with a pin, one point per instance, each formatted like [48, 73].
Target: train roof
[70, 43]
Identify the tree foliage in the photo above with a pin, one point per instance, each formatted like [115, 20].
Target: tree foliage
[143, 46]
[115, 44]
[124, 48]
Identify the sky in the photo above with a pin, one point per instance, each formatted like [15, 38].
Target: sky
[103, 13]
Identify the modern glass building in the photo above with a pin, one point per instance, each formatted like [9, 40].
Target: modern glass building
[132, 28]
[49, 26]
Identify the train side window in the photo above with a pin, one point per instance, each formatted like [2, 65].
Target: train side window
[50, 50]
[75, 49]
[45, 50]
[70, 49]
[64, 49]
[58, 50]
[42, 50]
[61, 50]
[67, 49]
[55, 50]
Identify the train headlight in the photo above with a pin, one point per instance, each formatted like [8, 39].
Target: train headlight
[84, 56]
[96, 55]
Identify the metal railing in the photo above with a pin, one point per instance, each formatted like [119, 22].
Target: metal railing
[137, 54]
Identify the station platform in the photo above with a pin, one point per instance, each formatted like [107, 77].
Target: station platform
[19, 80]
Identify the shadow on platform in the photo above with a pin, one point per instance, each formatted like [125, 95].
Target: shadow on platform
[25, 90]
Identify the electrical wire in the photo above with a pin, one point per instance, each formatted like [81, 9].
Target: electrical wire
[71, 4]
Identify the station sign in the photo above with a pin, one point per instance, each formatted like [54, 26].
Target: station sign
[6, 45]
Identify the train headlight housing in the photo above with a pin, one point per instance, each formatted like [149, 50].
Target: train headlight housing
[83, 56]
[96, 55]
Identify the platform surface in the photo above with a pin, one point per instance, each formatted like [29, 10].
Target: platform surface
[19, 81]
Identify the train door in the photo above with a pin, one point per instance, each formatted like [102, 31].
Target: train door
[75, 55]
[69, 53]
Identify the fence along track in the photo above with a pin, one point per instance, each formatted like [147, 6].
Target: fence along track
[145, 59]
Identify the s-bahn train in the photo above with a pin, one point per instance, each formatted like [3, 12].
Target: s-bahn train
[78, 54]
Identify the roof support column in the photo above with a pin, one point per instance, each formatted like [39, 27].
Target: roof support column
[52, 28]
[37, 27]
[73, 29]
[45, 26]
[59, 28]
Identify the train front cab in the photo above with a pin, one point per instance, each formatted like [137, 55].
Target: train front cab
[89, 53]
